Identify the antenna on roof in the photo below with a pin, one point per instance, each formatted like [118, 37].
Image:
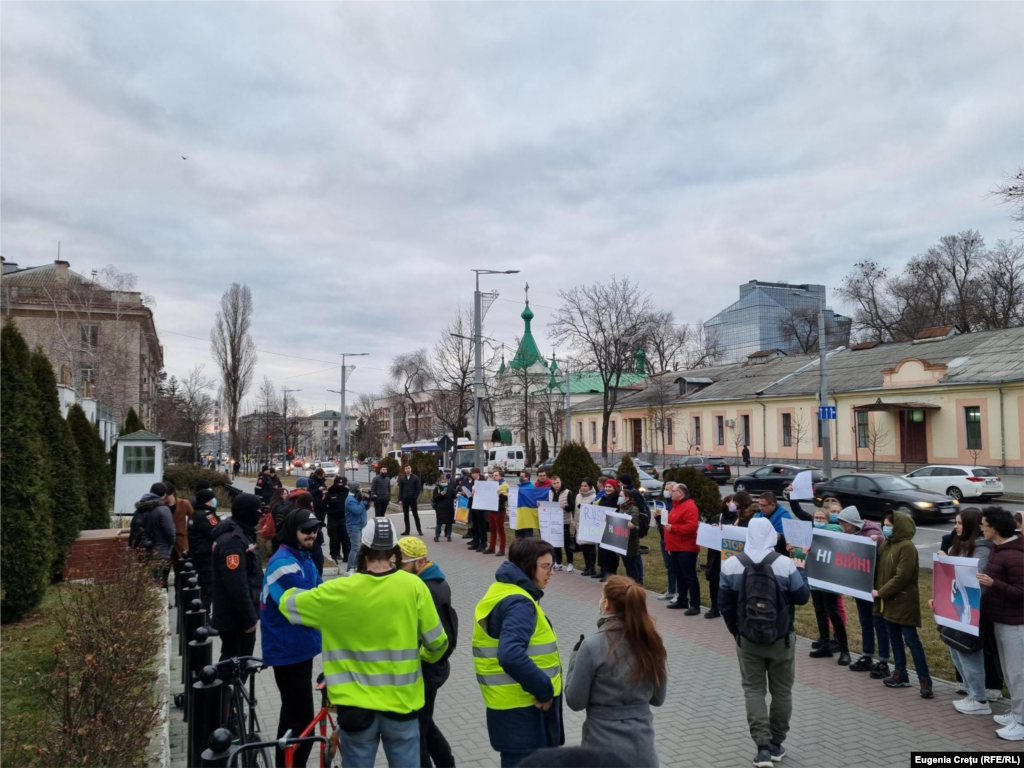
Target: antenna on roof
[58, 250]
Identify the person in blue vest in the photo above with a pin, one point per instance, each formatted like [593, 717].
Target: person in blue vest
[290, 649]
[771, 511]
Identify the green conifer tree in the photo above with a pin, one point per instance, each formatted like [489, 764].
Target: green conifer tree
[26, 525]
[95, 477]
[627, 467]
[545, 452]
[573, 464]
[65, 485]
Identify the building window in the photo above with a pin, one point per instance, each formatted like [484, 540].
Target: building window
[863, 438]
[972, 414]
[613, 435]
[579, 431]
[720, 428]
[787, 429]
[593, 433]
[139, 459]
[696, 430]
[89, 336]
[668, 431]
[746, 430]
[85, 373]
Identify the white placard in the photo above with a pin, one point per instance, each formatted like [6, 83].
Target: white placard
[803, 488]
[513, 499]
[709, 536]
[797, 532]
[591, 524]
[551, 526]
[485, 495]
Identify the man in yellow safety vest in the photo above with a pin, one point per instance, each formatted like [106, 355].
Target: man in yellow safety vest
[377, 626]
[515, 655]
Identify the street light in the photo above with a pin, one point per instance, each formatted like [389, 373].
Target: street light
[342, 442]
[478, 379]
[284, 424]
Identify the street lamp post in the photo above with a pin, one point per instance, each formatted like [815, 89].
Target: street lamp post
[478, 377]
[284, 424]
[342, 436]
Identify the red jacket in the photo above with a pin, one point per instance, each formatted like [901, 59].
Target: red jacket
[684, 518]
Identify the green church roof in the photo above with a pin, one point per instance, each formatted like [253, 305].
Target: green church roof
[527, 355]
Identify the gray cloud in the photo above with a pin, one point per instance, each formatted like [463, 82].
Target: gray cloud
[351, 162]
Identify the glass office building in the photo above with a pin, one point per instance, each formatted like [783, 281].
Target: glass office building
[756, 322]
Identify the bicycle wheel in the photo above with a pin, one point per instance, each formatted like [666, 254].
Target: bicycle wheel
[259, 758]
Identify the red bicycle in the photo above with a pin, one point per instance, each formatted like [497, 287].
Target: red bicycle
[330, 746]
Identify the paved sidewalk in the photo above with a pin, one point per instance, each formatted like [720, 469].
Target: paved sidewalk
[840, 717]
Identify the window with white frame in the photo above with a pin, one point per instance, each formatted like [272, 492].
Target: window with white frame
[139, 459]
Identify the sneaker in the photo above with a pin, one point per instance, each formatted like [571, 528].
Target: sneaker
[777, 751]
[895, 681]
[558, 566]
[1007, 719]
[969, 706]
[880, 671]
[667, 596]
[1013, 732]
[821, 652]
[568, 568]
[993, 695]
[712, 614]
[763, 758]
[926, 687]
[863, 664]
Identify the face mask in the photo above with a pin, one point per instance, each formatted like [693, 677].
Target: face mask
[732, 506]
[833, 518]
[667, 494]
[818, 524]
[887, 531]
[623, 499]
[213, 503]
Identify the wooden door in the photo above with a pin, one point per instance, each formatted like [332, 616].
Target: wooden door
[913, 440]
[638, 435]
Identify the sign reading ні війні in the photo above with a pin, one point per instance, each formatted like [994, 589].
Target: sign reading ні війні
[842, 563]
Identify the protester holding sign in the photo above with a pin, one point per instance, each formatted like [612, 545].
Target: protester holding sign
[660, 509]
[632, 558]
[563, 497]
[870, 625]
[607, 560]
[585, 496]
[681, 543]
[898, 601]
[713, 568]
[1003, 602]
[496, 518]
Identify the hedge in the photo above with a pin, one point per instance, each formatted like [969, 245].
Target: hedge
[702, 489]
[95, 471]
[185, 477]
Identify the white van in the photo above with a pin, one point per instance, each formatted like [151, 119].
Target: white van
[511, 458]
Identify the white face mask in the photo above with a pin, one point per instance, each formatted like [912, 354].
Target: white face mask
[732, 506]
[623, 498]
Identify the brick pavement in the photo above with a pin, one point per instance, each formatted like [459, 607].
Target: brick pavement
[839, 718]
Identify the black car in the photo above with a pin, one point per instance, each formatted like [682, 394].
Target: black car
[714, 467]
[775, 478]
[546, 466]
[875, 494]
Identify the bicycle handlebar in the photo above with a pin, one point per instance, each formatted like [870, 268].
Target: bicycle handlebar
[284, 741]
[239, 663]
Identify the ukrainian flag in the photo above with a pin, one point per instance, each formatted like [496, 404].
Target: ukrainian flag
[526, 514]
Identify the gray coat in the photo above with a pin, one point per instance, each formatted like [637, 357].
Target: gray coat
[380, 487]
[619, 718]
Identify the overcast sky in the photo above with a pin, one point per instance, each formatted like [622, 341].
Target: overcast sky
[351, 163]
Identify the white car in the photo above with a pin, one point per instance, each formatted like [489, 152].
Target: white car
[958, 481]
[351, 464]
[330, 468]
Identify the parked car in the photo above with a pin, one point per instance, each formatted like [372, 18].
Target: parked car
[351, 464]
[775, 478]
[958, 481]
[714, 467]
[875, 494]
[649, 485]
[545, 466]
[330, 468]
[647, 467]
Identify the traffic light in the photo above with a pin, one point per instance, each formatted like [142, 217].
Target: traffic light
[291, 452]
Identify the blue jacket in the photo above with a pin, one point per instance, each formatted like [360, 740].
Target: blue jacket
[776, 518]
[513, 622]
[355, 512]
[283, 643]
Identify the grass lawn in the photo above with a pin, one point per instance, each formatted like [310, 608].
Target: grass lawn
[27, 651]
[939, 662]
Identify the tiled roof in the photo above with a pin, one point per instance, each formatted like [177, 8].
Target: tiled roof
[937, 332]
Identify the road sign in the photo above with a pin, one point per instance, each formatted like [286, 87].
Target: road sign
[827, 412]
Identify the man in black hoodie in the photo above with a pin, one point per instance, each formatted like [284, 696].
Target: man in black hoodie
[336, 531]
[201, 525]
[153, 528]
[237, 578]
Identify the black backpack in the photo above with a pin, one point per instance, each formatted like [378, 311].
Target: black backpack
[645, 513]
[138, 531]
[762, 610]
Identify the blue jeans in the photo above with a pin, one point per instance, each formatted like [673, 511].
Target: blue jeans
[668, 568]
[898, 633]
[511, 759]
[635, 569]
[524, 533]
[447, 530]
[869, 626]
[971, 667]
[401, 743]
[354, 533]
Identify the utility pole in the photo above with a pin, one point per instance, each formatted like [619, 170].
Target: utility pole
[342, 425]
[826, 442]
[284, 423]
[568, 408]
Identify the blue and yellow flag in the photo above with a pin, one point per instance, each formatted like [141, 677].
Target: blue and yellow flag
[526, 513]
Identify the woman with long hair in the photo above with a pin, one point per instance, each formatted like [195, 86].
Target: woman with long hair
[279, 507]
[618, 674]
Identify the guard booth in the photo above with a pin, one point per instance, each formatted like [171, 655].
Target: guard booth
[140, 463]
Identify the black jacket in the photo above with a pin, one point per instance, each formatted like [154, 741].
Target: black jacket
[435, 675]
[237, 577]
[409, 488]
[201, 525]
[317, 488]
[335, 501]
[443, 502]
[266, 484]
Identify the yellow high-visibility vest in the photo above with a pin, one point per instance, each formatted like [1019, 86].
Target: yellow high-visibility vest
[375, 630]
[499, 689]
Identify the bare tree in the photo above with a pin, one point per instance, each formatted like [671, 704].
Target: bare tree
[666, 343]
[269, 413]
[878, 438]
[1001, 291]
[737, 439]
[801, 430]
[367, 412]
[453, 369]
[660, 395]
[688, 436]
[703, 347]
[410, 377]
[799, 329]
[196, 406]
[550, 407]
[234, 351]
[605, 324]
[1011, 192]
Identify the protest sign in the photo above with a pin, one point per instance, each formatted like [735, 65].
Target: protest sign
[841, 562]
[462, 510]
[734, 538]
[485, 495]
[797, 532]
[551, 526]
[591, 524]
[709, 536]
[513, 498]
[956, 592]
[616, 532]
[803, 488]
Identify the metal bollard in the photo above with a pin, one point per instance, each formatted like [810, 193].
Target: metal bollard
[199, 656]
[219, 752]
[186, 571]
[207, 711]
[194, 619]
[188, 594]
